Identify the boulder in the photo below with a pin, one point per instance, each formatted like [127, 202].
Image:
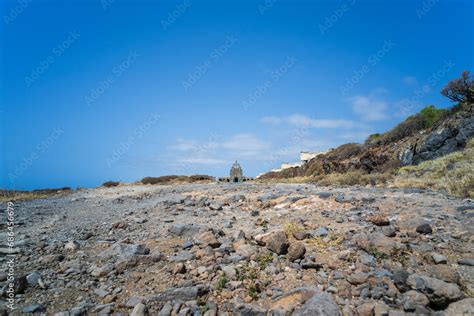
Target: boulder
[275, 241]
[184, 230]
[296, 251]
[291, 299]
[424, 229]
[377, 242]
[462, 307]
[321, 304]
[439, 293]
[209, 240]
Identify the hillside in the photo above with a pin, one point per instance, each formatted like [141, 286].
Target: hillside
[427, 135]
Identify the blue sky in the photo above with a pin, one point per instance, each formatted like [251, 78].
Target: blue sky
[98, 90]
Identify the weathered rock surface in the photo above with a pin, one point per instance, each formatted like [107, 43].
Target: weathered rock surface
[248, 249]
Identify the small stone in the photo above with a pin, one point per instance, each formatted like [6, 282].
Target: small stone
[424, 229]
[101, 292]
[389, 231]
[380, 220]
[366, 309]
[412, 299]
[275, 241]
[300, 235]
[35, 308]
[466, 262]
[208, 239]
[71, 245]
[296, 251]
[445, 273]
[357, 278]
[166, 310]
[400, 280]
[179, 268]
[101, 271]
[319, 304]
[320, 232]
[33, 278]
[438, 258]
[139, 310]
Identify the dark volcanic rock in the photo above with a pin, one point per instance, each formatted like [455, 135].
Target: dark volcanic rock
[424, 229]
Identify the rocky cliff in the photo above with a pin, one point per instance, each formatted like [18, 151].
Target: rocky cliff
[406, 144]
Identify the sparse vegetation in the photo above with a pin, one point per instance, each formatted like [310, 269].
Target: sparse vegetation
[222, 283]
[292, 227]
[110, 184]
[460, 89]
[377, 254]
[353, 178]
[174, 179]
[264, 260]
[451, 173]
[16, 195]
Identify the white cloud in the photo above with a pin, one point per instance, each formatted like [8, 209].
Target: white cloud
[201, 161]
[245, 144]
[300, 120]
[370, 107]
[271, 120]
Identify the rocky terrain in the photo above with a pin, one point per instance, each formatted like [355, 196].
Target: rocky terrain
[244, 249]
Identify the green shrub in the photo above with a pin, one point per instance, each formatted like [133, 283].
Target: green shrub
[431, 115]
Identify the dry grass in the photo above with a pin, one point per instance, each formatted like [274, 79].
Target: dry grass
[353, 178]
[291, 227]
[322, 244]
[14, 196]
[453, 173]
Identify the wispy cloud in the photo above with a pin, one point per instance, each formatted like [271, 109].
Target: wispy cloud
[300, 120]
[370, 107]
[201, 161]
[245, 144]
[187, 153]
[192, 145]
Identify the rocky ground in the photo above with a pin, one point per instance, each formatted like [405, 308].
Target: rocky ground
[247, 249]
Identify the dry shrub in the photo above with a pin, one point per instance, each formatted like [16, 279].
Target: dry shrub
[176, 179]
[15, 195]
[201, 177]
[110, 184]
